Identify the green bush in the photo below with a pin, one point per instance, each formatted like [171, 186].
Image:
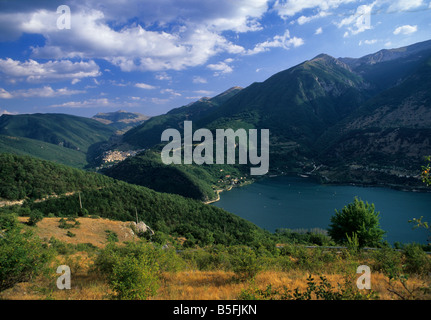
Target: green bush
[59, 246]
[132, 271]
[63, 224]
[169, 261]
[416, 260]
[70, 234]
[35, 217]
[133, 278]
[244, 262]
[8, 221]
[22, 256]
[111, 236]
[388, 261]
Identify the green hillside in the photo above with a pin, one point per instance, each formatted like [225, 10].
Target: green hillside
[26, 177]
[72, 132]
[297, 105]
[29, 178]
[42, 150]
[192, 181]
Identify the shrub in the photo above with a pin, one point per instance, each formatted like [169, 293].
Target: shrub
[59, 246]
[244, 263]
[169, 261]
[356, 218]
[111, 236]
[416, 260]
[132, 271]
[70, 234]
[133, 278]
[63, 224]
[8, 221]
[323, 290]
[35, 217]
[22, 256]
[387, 261]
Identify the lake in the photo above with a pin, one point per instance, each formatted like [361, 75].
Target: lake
[294, 202]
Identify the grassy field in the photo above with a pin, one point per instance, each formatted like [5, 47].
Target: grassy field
[189, 276]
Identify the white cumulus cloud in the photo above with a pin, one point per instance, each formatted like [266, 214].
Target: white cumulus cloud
[288, 8]
[221, 68]
[167, 35]
[33, 71]
[279, 41]
[407, 29]
[144, 86]
[44, 92]
[405, 5]
[359, 21]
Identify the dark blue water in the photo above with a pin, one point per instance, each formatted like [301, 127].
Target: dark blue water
[290, 202]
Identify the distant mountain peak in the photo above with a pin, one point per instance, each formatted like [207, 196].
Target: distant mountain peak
[323, 56]
[121, 119]
[330, 60]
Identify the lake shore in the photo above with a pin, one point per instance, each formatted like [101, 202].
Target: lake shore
[218, 195]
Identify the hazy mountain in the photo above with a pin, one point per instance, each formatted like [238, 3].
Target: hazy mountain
[121, 120]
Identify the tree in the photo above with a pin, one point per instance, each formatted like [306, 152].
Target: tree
[426, 172]
[357, 219]
[34, 217]
[426, 178]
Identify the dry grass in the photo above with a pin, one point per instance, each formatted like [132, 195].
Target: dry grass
[89, 231]
[219, 285]
[184, 285]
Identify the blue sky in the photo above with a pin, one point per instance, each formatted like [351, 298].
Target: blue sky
[150, 56]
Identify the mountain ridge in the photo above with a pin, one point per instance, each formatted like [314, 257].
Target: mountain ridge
[388, 54]
[304, 105]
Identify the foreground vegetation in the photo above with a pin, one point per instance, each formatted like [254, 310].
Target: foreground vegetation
[144, 269]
